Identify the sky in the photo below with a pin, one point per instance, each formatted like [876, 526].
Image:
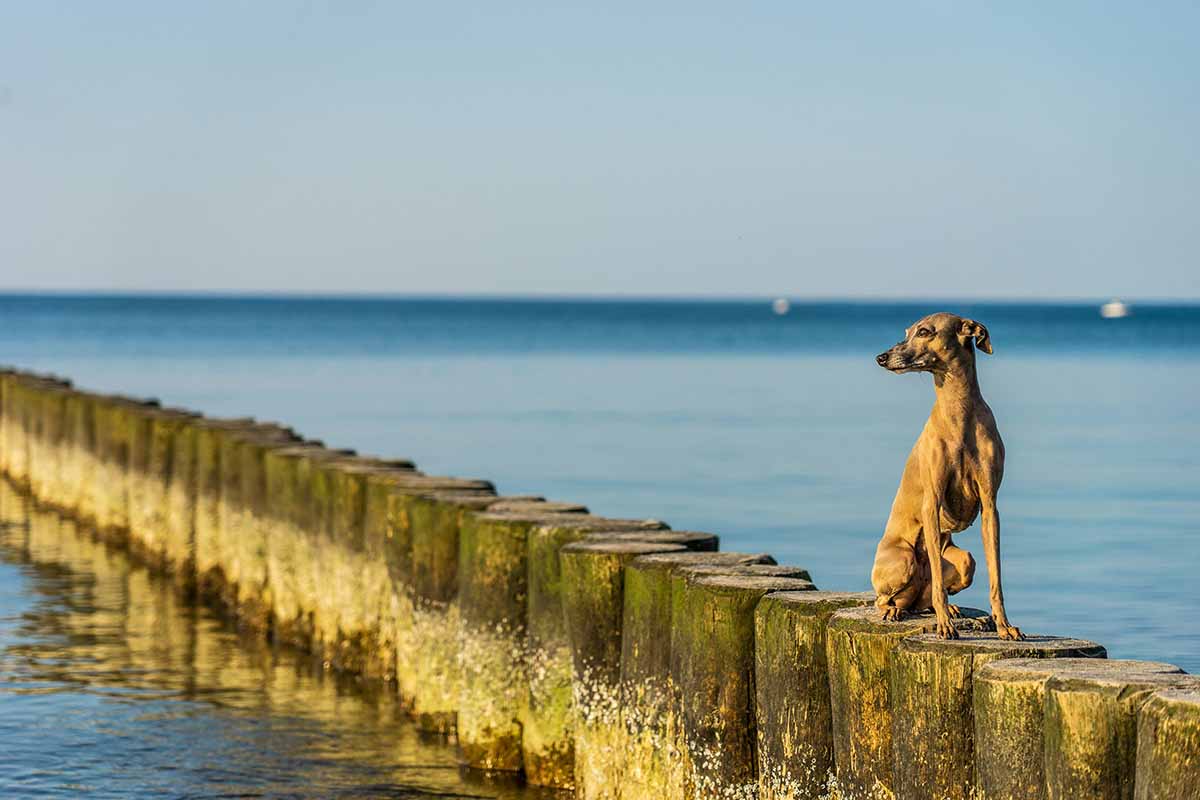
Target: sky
[918, 149]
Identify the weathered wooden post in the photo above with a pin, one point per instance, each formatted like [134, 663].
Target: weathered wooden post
[112, 450]
[179, 536]
[394, 512]
[237, 571]
[547, 718]
[1168, 746]
[493, 593]
[688, 572]
[150, 471]
[16, 428]
[435, 687]
[209, 478]
[1091, 727]
[695, 541]
[933, 742]
[592, 598]
[791, 677]
[137, 484]
[77, 468]
[1061, 728]
[47, 459]
[360, 570]
[286, 471]
[859, 647]
[650, 706]
[713, 647]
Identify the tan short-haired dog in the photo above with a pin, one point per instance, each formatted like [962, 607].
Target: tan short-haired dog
[953, 472]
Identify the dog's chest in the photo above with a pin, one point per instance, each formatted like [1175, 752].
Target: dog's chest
[960, 501]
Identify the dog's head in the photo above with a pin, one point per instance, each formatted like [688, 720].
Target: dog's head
[938, 343]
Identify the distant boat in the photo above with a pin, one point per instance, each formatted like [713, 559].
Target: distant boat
[781, 306]
[1114, 309]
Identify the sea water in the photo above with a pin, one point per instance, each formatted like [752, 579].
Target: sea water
[778, 432]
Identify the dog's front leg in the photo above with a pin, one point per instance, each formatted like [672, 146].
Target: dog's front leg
[931, 524]
[991, 550]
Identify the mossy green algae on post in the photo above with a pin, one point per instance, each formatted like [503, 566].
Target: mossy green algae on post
[77, 467]
[208, 479]
[650, 717]
[1168, 747]
[392, 530]
[493, 596]
[433, 682]
[859, 647]
[933, 742]
[285, 472]
[151, 513]
[547, 719]
[713, 647]
[46, 452]
[1091, 726]
[791, 679]
[1015, 740]
[592, 599]
[236, 552]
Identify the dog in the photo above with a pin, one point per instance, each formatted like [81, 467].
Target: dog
[952, 475]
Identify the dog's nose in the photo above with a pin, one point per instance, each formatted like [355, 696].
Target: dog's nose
[881, 359]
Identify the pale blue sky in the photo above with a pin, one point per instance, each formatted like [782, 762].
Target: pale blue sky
[953, 149]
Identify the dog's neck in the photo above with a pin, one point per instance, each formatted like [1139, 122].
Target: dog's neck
[956, 391]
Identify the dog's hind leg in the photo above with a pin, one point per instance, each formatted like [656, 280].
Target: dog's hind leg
[896, 578]
[958, 567]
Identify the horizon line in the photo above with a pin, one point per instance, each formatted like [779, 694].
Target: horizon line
[273, 294]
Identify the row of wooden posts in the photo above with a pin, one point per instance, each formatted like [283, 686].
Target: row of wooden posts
[612, 657]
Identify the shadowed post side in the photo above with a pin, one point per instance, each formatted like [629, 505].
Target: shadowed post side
[650, 707]
[1168, 746]
[712, 648]
[933, 742]
[859, 651]
[548, 718]
[593, 595]
[1020, 724]
[791, 684]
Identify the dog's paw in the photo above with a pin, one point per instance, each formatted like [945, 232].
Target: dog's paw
[954, 611]
[1009, 632]
[891, 614]
[946, 630]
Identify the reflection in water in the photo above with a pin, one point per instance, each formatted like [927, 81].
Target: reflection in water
[114, 686]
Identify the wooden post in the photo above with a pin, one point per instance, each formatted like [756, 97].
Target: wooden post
[493, 592]
[77, 469]
[593, 604]
[436, 685]
[650, 706]
[1061, 728]
[695, 541]
[237, 570]
[859, 646]
[791, 676]
[713, 647]
[1168, 747]
[210, 473]
[933, 742]
[547, 717]
[395, 536]
[286, 519]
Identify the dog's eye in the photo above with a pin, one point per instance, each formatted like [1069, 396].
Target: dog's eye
[924, 333]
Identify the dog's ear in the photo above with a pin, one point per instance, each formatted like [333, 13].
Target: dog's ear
[976, 330]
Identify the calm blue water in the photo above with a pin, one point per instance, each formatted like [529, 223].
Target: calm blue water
[779, 433]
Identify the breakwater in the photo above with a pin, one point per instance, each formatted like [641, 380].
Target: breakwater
[612, 658]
